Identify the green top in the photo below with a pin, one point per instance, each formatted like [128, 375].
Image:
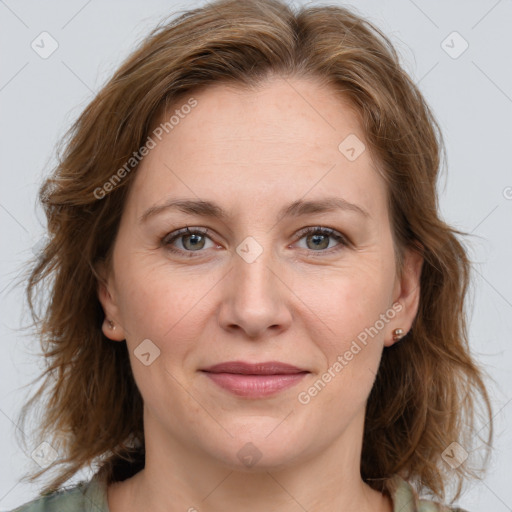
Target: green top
[91, 496]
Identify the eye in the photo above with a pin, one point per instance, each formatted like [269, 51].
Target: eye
[191, 240]
[317, 239]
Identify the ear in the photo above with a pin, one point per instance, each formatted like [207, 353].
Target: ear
[407, 293]
[111, 326]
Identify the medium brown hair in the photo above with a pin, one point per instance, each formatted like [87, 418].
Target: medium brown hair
[428, 389]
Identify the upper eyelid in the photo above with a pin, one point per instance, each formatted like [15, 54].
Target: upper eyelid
[326, 230]
[176, 234]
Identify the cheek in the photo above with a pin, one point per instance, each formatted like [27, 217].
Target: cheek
[349, 333]
[163, 309]
[346, 302]
[161, 305]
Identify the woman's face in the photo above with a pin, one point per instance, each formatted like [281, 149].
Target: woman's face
[256, 287]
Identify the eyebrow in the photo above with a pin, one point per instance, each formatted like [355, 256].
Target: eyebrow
[296, 209]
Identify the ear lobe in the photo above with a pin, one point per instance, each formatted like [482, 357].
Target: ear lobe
[111, 326]
[408, 292]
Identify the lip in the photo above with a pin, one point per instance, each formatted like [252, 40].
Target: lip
[255, 380]
[264, 368]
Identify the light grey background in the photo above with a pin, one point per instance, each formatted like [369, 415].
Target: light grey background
[471, 96]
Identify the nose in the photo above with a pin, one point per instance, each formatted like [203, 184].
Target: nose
[255, 298]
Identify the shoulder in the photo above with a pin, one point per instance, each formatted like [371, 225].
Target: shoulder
[433, 506]
[86, 496]
[406, 499]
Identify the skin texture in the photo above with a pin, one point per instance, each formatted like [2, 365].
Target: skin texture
[253, 153]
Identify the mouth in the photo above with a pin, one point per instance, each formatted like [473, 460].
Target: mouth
[264, 368]
[255, 380]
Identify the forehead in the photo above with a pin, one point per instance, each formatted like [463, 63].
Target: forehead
[278, 142]
[283, 117]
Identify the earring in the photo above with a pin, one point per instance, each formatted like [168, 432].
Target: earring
[398, 334]
[111, 324]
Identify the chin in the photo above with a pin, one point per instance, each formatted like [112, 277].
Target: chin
[260, 451]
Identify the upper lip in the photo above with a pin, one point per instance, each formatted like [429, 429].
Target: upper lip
[264, 368]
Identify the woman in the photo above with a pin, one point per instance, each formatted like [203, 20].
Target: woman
[255, 305]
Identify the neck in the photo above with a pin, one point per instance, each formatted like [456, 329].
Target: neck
[181, 477]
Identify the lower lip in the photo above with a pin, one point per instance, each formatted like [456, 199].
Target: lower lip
[255, 386]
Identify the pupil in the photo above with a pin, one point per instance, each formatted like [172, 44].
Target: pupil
[196, 240]
[320, 239]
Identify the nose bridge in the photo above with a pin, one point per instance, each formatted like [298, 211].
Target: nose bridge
[253, 275]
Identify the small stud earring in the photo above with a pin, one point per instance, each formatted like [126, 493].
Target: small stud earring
[111, 324]
[397, 334]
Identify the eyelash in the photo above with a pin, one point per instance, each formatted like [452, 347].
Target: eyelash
[171, 237]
